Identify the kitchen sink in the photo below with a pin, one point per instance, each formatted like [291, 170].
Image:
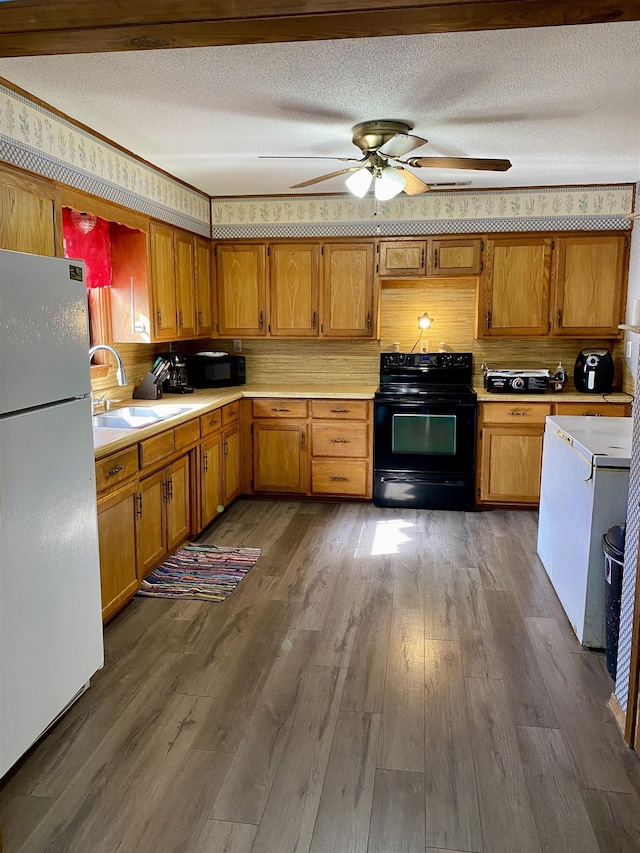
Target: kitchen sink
[136, 417]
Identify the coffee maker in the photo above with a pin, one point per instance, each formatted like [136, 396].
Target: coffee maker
[176, 381]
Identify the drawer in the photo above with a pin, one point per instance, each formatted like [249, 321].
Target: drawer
[514, 413]
[157, 448]
[341, 438]
[116, 468]
[340, 477]
[343, 410]
[274, 408]
[211, 422]
[607, 410]
[230, 413]
[186, 434]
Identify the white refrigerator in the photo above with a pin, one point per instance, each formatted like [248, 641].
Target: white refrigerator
[584, 489]
[50, 608]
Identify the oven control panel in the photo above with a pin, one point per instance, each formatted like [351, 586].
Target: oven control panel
[426, 359]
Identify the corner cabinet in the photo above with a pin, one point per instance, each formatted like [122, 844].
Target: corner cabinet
[349, 295]
[241, 285]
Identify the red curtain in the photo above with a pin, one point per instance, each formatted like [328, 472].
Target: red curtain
[94, 248]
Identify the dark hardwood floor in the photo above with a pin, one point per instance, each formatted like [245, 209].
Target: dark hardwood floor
[381, 681]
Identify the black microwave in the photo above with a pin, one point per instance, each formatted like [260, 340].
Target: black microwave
[206, 370]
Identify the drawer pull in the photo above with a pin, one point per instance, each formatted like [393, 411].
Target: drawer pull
[593, 414]
[518, 414]
[340, 479]
[280, 410]
[232, 413]
[340, 441]
[113, 471]
[340, 411]
[213, 422]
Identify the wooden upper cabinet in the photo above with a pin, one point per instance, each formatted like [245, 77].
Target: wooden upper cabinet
[31, 219]
[514, 288]
[402, 258]
[455, 256]
[588, 276]
[203, 289]
[294, 291]
[240, 269]
[185, 287]
[163, 283]
[349, 296]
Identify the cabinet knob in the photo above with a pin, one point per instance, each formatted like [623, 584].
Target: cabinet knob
[369, 321]
[139, 505]
[435, 261]
[314, 320]
[488, 320]
[206, 462]
[302, 441]
[261, 320]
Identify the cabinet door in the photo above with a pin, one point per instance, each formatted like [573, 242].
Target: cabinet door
[178, 502]
[402, 258]
[204, 314]
[589, 285]
[349, 298]
[514, 289]
[241, 290]
[210, 479]
[163, 283]
[230, 464]
[151, 522]
[279, 456]
[185, 284]
[511, 464]
[454, 256]
[117, 543]
[29, 222]
[294, 290]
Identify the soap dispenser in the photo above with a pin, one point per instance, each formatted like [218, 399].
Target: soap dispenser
[559, 378]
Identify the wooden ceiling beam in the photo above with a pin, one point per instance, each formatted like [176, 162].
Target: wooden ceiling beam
[42, 27]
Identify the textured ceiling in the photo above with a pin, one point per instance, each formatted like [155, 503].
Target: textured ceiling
[562, 103]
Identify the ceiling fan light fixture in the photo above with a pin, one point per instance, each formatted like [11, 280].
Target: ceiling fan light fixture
[390, 183]
[359, 182]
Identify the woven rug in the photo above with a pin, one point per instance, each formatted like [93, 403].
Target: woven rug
[204, 572]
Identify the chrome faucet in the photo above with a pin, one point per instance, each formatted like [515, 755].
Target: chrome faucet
[120, 374]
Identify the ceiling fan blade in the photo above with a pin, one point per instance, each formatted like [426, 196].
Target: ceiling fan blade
[324, 178]
[401, 144]
[459, 163]
[414, 185]
[294, 157]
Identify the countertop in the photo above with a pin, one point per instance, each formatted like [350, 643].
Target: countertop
[107, 441]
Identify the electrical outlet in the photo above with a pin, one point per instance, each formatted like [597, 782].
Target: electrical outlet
[425, 346]
[627, 349]
[237, 345]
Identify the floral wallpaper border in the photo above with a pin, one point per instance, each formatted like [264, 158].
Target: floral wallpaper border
[584, 208]
[37, 139]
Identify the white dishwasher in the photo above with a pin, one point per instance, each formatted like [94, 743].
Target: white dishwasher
[584, 490]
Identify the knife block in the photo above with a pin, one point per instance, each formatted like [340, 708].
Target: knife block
[148, 389]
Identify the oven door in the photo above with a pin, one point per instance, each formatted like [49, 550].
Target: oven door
[424, 454]
[424, 437]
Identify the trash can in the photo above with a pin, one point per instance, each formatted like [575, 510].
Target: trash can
[613, 547]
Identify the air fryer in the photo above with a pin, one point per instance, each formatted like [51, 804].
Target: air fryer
[593, 371]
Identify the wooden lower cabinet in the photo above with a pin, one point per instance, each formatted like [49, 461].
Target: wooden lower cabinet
[117, 543]
[211, 502]
[510, 437]
[280, 456]
[163, 513]
[230, 464]
[316, 447]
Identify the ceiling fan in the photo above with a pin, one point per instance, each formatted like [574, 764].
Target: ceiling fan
[382, 143]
